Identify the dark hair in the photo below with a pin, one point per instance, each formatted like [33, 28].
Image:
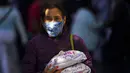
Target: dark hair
[4, 2]
[50, 6]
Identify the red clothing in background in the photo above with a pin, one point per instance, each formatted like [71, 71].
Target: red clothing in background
[34, 14]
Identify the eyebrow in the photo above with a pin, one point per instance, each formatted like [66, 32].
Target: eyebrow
[53, 16]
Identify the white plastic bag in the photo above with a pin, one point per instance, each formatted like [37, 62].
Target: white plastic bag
[78, 68]
[68, 58]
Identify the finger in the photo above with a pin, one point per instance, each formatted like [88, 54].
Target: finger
[54, 69]
[59, 71]
[47, 68]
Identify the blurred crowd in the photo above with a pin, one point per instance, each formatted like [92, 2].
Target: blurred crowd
[102, 24]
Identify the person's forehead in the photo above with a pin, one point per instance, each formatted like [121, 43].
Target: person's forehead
[53, 12]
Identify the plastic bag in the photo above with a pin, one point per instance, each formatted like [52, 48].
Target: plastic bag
[78, 68]
[67, 59]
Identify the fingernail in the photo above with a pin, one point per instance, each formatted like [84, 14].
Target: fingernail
[57, 67]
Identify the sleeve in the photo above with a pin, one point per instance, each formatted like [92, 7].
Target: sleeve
[20, 27]
[79, 45]
[29, 60]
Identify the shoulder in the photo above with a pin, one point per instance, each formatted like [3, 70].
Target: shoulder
[84, 12]
[15, 12]
[6, 9]
[81, 16]
[77, 39]
[79, 43]
[37, 39]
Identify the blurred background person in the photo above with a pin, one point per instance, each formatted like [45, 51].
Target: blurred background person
[10, 21]
[116, 57]
[103, 9]
[34, 17]
[71, 7]
[84, 25]
[88, 23]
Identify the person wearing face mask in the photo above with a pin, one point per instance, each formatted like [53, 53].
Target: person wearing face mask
[53, 38]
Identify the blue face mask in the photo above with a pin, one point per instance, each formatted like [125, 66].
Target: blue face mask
[53, 28]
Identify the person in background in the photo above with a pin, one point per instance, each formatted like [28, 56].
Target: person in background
[103, 8]
[116, 57]
[34, 17]
[10, 21]
[71, 7]
[84, 25]
[51, 41]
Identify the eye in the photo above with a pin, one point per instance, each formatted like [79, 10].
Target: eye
[57, 18]
[48, 18]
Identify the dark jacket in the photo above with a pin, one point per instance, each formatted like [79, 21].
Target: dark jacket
[41, 49]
